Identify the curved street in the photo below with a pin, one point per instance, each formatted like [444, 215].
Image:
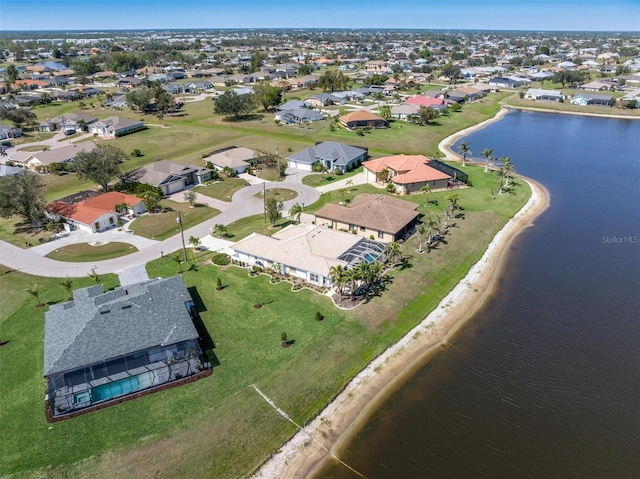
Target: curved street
[244, 203]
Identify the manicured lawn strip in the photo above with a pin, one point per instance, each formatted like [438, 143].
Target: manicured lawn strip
[253, 224]
[566, 106]
[33, 148]
[160, 226]
[222, 190]
[279, 194]
[270, 174]
[82, 252]
[317, 179]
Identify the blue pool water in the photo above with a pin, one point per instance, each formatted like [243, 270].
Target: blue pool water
[121, 387]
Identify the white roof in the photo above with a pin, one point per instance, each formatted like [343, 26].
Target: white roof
[306, 247]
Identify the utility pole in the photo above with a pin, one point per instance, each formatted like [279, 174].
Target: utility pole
[264, 200]
[184, 248]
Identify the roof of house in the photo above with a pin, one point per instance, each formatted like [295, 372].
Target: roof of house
[232, 157]
[377, 212]
[408, 168]
[118, 122]
[291, 105]
[302, 114]
[10, 170]
[360, 115]
[339, 153]
[89, 210]
[592, 96]
[161, 172]
[99, 325]
[305, 247]
[424, 101]
[541, 92]
[405, 109]
[59, 155]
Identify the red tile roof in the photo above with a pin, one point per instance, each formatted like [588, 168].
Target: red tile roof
[91, 209]
[425, 101]
[407, 168]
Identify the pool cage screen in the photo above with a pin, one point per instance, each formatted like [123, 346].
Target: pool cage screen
[92, 384]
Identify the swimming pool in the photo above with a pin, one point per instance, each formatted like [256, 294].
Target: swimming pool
[122, 387]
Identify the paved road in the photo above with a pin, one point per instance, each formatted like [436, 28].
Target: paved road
[244, 203]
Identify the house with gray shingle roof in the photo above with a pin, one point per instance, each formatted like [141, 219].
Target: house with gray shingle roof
[330, 154]
[105, 345]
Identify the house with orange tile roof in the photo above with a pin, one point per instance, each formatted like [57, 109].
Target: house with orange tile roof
[362, 119]
[427, 102]
[408, 173]
[97, 213]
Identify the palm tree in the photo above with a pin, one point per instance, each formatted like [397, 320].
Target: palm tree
[177, 257]
[427, 189]
[352, 275]
[338, 274]
[295, 212]
[501, 172]
[509, 169]
[82, 124]
[395, 250]
[195, 242]
[453, 205]
[383, 175]
[378, 97]
[421, 231]
[33, 291]
[464, 150]
[67, 284]
[488, 154]
[349, 182]
[220, 230]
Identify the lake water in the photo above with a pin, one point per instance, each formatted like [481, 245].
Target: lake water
[544, 381]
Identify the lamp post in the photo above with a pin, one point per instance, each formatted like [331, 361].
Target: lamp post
[184, 248]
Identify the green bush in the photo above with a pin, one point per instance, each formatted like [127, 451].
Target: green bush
[220, 259]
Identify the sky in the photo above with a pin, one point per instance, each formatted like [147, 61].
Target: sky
[575, 15]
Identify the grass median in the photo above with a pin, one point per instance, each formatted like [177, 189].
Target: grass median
[83, 252]
[160, 226]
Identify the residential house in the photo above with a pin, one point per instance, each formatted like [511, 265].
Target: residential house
[96, 213]
[69, 123]
[107, 346]
[7, 132]
[420, 100]
[298, 115]
[405, 111]
[170, 177]
[362, 119]
[504, 82]
[382, 217]
[598, 86]
[236, 158]
[65, 154]
[115, 126]
[330, 154]
[324, 99]
[584, 99]
[118, 100]
[543, 95]
[307, 251]
[408, 173]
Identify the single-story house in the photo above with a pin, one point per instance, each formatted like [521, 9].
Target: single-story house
[405, 111]
[543, 95]
[236, 158]
[298, 115]
[170, 177]
[503, 82]
[292, 105]
[409, 173]
[597, 86]
[96, 213]
[7, 132]
[114, 126]
[65, 154]
[362, 119]
[118, 100]
[584, 99]
[69, 123]
[420, 100]
[106, 345]
[349, 95]
[384, 217]
[307, 251]
[331, 154]
[324, 99]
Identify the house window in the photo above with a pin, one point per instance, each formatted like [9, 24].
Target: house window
[351, 227]
[313, 278]
[380, 234]
[111, 220]
[362, 228]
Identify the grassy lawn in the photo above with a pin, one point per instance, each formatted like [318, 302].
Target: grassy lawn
[254, 224]
[222, 190]
[516, 101]
[160, 226]
[279, 194]
[209, 428]
[319, 179]
[33, 148]
[15, 231]
[30, 137]
[82, 252]
[269, 174]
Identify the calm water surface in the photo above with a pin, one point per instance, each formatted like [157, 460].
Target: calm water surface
[544, 382]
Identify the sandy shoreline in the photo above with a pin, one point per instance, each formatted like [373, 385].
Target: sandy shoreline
[576, 113]
[332, 428]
